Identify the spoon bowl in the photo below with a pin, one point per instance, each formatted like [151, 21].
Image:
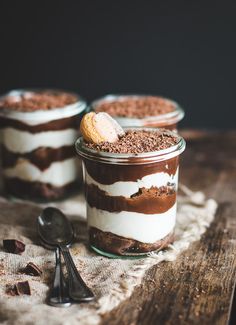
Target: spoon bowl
[54, 228]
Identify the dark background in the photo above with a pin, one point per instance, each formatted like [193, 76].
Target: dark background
[184, 50]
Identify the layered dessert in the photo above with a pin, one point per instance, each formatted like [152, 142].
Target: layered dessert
[38, 131]
[130, 186]
[141, 110]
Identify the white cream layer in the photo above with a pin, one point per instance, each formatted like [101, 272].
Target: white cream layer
[22, 142]
[146, 228]
[127, 189]
[57, 174]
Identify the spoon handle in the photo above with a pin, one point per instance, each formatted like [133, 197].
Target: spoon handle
[59, 295]
[78, 290]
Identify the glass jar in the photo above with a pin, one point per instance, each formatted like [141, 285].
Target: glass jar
[38, 158]
[131, 199]
[168, 121]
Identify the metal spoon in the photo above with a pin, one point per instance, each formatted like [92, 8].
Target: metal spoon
[59, 295]
[55, 230]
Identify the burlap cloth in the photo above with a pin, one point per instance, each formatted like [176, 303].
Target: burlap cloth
[112, 280]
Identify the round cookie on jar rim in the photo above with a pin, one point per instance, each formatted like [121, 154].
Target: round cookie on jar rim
[38, 130]
[131, 180]
[140, 110]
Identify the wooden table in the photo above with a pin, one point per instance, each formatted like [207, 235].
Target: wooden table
[198, 287]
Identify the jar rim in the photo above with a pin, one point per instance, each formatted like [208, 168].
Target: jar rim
[131, 158]
[39, 114]
[168, 118]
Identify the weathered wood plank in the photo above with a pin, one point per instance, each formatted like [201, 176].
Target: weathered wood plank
[198, 287]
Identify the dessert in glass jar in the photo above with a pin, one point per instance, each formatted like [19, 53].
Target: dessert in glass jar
[130, 190]
[38, 130]
[141, 110]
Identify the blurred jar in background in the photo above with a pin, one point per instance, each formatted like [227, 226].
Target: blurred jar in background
[140, 110]
[38, 130]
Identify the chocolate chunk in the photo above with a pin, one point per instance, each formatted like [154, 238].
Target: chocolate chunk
[23, 288]
[18, 289]
[13, 246]
[32, 269]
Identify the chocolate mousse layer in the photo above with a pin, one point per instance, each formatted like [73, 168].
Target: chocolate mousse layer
[41, 157]
[38, 191]
[149, 201]
[134, 142]
[136, 107]
[30, 101]
[111, 243]
[55, 125]
[104, 173]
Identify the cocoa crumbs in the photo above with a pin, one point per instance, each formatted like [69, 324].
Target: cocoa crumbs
[155, 191]
[136, 107]
[30, 101]
[138, 141]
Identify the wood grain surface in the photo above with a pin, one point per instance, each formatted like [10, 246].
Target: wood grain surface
[198, 287]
